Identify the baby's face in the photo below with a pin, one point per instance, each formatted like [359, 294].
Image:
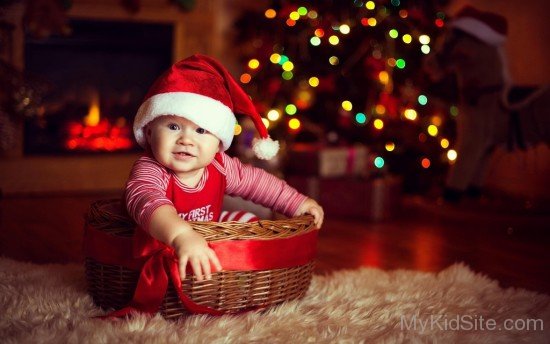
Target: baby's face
[181, 145]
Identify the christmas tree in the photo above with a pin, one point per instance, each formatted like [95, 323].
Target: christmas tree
[347, 72]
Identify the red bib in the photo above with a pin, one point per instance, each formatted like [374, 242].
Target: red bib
[204, 202]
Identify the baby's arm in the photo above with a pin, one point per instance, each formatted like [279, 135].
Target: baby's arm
[148, 206]
[165, 225]
[257, 185]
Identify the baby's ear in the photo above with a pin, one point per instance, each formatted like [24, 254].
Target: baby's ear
[148, 132]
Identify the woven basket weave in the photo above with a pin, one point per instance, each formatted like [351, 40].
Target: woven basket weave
[112, 286]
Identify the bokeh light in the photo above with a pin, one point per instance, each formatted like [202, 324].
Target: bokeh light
[347, 105]
[273, 114]
[379, 162]
[294, 124]
[313, 81]
[291, 109]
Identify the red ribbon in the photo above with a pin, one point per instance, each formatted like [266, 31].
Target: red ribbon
[158, 262]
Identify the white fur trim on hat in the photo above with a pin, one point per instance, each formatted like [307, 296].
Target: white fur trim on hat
[265, 148]
[206, 112]
[479, 29]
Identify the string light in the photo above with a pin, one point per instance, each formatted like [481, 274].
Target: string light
[291, 109]
[290, 22]
[378, 124]
[380, 109]
[379, 162]
[444, 143]
[288, 66]
[275, 58]
[333, 60]
[270, 13]
[360, 118]
[265, 122]
[403, 14]
[390, 146]
[422, 99]
[394, 33]
[334, 40]
[425, 163]
[439, 23]
[452, 155]
[432, 130]
[253, 64]
[344, 29]
[400, 63]
[347, 105]
[283, 59]
[436, 120]
[312, 14]
[391, 62]
[315, 41]
[453, 110]
[425, 49]
[287, 75]
[319, 33]
[273, 115]
[407, 38]
[302, 11]
[384, 77]
[424, 39]
[370, 5]
[294, 124]
[372, 21]
[294, 15]
[245, 78]
[238, 129]
[410, 114]
[313, 81]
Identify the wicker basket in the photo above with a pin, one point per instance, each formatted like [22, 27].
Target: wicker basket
[112, 286]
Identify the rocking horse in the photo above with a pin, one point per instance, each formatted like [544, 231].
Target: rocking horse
[491, 111]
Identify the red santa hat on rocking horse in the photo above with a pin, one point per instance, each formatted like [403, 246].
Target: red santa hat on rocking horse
[490, 28]
[201, 90]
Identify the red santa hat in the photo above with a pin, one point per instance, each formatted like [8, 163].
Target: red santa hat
[201, 90]
[488, 27]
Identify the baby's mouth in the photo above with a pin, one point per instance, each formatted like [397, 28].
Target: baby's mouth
[184, 154]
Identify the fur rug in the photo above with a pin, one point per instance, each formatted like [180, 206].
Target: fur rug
[49, 304]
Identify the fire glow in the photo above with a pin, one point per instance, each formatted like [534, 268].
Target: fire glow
[98, 134]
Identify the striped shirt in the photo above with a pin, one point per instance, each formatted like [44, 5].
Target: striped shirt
[148, 182]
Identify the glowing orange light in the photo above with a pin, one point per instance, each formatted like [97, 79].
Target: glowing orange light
[245, 78]
[425, 163]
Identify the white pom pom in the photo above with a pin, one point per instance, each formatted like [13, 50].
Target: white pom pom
[265, 148]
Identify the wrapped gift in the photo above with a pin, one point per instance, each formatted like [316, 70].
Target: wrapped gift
[315, 160]
[348, 197]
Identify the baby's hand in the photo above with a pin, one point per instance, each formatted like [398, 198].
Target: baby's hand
[192, 248]
[311, 207]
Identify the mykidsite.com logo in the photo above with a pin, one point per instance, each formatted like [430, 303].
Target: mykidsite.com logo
[443, 322]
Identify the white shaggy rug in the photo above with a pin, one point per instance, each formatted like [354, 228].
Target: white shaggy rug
[49, 304]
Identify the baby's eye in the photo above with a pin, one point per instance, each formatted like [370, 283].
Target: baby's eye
[173, 126]
[201, 130]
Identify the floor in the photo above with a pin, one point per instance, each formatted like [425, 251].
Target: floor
[506, 242]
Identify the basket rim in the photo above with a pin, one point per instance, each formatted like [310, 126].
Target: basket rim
[110, 216]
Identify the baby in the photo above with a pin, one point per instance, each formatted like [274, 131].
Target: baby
[185, 124]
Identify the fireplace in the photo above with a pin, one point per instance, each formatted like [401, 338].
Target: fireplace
[92, 83]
